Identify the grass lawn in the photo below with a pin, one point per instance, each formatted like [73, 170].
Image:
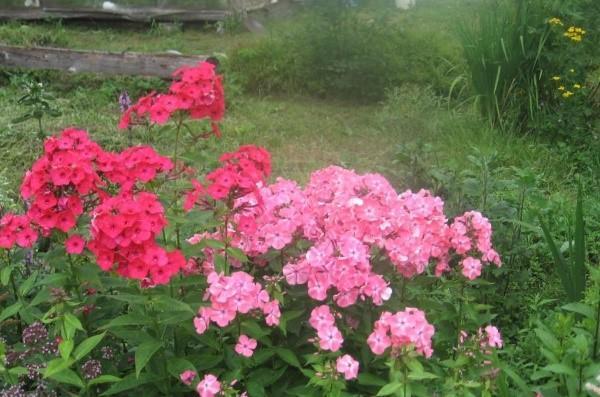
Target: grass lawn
[302, 133]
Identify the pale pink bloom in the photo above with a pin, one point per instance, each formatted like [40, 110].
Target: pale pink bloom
[245, 346]
[471, 268]
[494, 339]
[330, 338]
[348, 366]
[209, 386]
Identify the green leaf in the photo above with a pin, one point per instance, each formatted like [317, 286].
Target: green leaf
[167, 303]
[580, 308]
[176, 366]
[368, 379]
[5, 274]
[104, 379]
[389, 389]
[65, 348]
[127, 319]
[10, 311]
[87, 346]
[560, 369]
[68, 376]
[422, 375]
[129, 298]
[71, 324]
[28, 284]
[578, 270]
[19, 371]
[237, 254]
[144, 353]
[562, 267]
[42, 297]
[255, 389]
[288, 356]
[57, 365]
[129, 382]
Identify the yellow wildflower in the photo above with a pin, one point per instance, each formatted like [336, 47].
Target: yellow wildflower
[572, 70]
[555, 78]
[577, 86]
[555, 21]
[561, 88]
[567, 94]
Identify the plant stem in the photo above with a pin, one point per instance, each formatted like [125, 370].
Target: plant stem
[177, 134]
[595, 351]
[41, 130]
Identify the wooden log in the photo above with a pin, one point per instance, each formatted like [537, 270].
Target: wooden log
[146, 14]
[128, 63]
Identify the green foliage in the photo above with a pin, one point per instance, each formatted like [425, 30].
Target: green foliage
[572, 273]
[349, 53]
[36, 101]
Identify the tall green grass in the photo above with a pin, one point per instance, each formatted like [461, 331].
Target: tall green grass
[503, 45]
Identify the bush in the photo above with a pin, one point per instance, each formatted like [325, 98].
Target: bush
[335, 51]
[130, 272]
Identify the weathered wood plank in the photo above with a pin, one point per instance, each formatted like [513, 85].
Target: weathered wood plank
[129, 63]
[146, 14]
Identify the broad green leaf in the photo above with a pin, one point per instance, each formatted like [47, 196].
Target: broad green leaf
[28, 284]
[10, 311]
[57, 365]
[5, 274]
[129, 382]
[237, 254]
[560, 369]
[144, 353]
[167, 303]
[255, 389]
[580, 308]
[127, 319]
[65, 348]
[87, 346]
[71, 325]
[288, 356]
[104, 379]
[389, 389]
[41, 297]
[176, 365]
[368, 379]
[19, 371]
[422, 375]
[128, 298]
[69, 377]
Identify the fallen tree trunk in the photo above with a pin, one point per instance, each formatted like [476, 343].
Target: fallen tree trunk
[128, 63]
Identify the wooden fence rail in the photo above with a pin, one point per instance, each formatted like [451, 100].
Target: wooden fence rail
[128, 63]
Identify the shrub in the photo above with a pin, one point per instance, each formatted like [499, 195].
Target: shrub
[335, 51]
[132, 271]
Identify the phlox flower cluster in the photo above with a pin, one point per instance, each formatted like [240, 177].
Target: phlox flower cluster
[269, 219]
[471, 237]
[16, 229]
[196, 90]
[123, 232]
[233, 295]
[240, 173]
[133, 165]
[59, 181]
[406, 328]
[323, 321]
